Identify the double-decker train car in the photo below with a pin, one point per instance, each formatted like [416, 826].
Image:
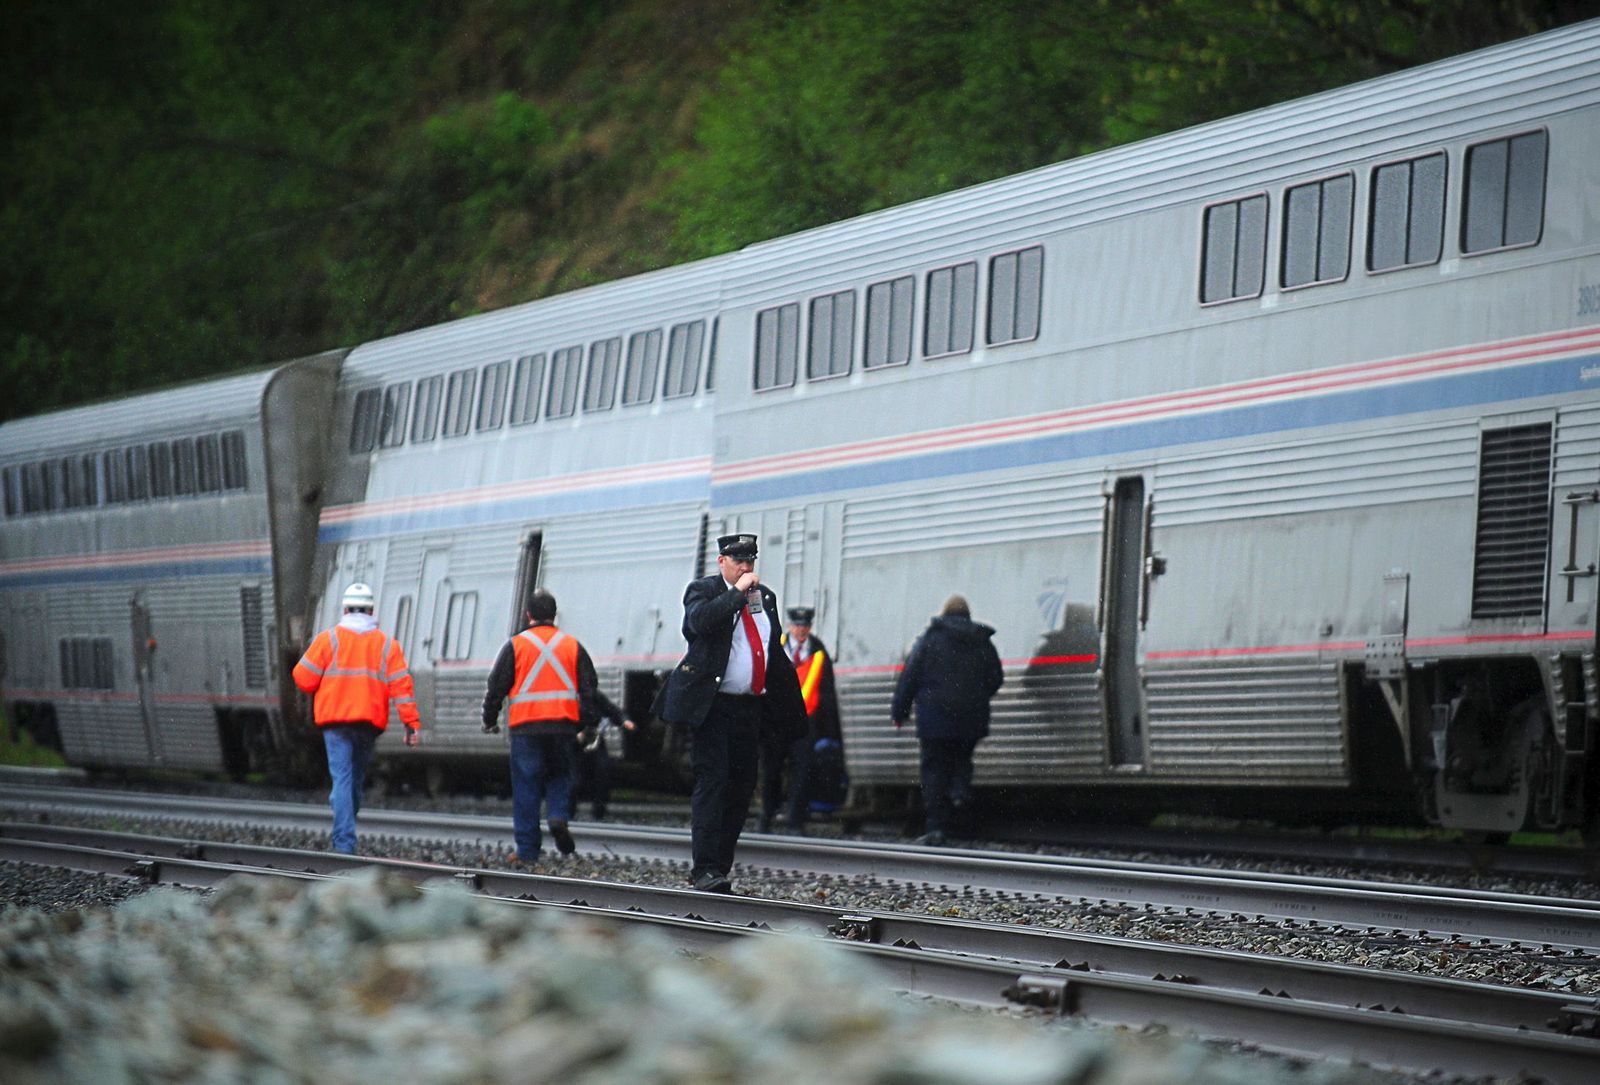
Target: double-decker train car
[563, 443]
[1270, 447]
[155, 559]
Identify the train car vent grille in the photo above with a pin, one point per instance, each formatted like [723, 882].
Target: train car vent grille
[255, 641]
[1508, 571]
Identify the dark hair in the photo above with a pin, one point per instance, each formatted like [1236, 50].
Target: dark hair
[542, 606]
[956, 605]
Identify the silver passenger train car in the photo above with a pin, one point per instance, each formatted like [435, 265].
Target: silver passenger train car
[563, 443]
[155, 555]
[1271, 448]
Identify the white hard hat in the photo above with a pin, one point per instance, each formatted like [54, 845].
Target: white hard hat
[359, 595]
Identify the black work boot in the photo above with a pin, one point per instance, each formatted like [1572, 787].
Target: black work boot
[564, 842]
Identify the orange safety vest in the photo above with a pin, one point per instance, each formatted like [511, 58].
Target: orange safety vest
[354, 675]
[810, 675]
[546, 685]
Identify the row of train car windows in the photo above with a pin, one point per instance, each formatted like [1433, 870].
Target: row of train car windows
[950, 298]
[501, 393]
[211, 463]
[1502, 207]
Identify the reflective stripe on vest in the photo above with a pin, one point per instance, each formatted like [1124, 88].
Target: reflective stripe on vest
[810, 673]
[549, 690]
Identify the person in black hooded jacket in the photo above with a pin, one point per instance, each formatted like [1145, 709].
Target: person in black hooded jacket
[952, 672]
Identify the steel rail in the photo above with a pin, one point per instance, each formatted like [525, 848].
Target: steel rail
[1562, 923]
[1046, 948]
[1371, 1035]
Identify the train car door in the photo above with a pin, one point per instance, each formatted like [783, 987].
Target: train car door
[527, 579]
[433, 592]
[1123, 601]
[813, 540]
[144, 649]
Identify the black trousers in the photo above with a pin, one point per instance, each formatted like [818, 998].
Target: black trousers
[946, 779]
[796, 756]
[723, 751]
[593, 780]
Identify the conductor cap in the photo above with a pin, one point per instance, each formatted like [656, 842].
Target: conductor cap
[738, 547]
[802, 615]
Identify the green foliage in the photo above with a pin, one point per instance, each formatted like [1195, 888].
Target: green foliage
[840, 107]
[190, 187]
[18, 748]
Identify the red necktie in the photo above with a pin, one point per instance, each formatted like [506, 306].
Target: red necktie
[758, 658]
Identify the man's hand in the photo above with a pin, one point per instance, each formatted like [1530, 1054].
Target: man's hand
[898, 724]
[491, 727]
[629, 725]
[411, 736]
[747, 581]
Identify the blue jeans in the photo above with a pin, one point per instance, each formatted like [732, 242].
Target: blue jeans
[349, 747]
[541, 768]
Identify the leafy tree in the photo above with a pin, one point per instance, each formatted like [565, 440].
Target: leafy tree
[839, 107]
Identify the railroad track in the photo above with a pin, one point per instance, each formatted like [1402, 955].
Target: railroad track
[1396, 1019]
[1453, 916]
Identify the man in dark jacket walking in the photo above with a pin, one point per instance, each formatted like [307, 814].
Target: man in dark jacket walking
[734, 686]
[951, 673]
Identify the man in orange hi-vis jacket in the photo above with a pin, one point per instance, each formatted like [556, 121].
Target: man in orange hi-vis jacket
[353, 670]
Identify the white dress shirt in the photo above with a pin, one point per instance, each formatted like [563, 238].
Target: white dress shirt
[736, 676]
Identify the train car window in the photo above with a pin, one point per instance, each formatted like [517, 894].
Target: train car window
[1016, 283]
[425, 412]
[525, 387]
[1504, 194]
[492, 395]
[459, 621]
[564, 372]
[33, 487]
[831, 348]
[55, 484]
[711, 356]
[138, 461]
[394, 416]
[889, 307]
[1316, 232]
[86, 663]
[605, 358]
[1235, 251]
[1406, 224]
[402, 624]
[184, 473]
[234, 473]
[160, 469]
[364, 420]
[115, 470]
[644, 361]
[777, 346]
[11, 484]
[208, 464]
[952, 298]
[458, 402]
[82, 482]
[683, 359]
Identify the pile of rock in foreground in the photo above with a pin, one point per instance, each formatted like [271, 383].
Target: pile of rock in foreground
[369, 979]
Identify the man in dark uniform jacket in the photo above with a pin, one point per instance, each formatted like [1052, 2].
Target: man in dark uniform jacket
[734, 686]
[813, 668]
